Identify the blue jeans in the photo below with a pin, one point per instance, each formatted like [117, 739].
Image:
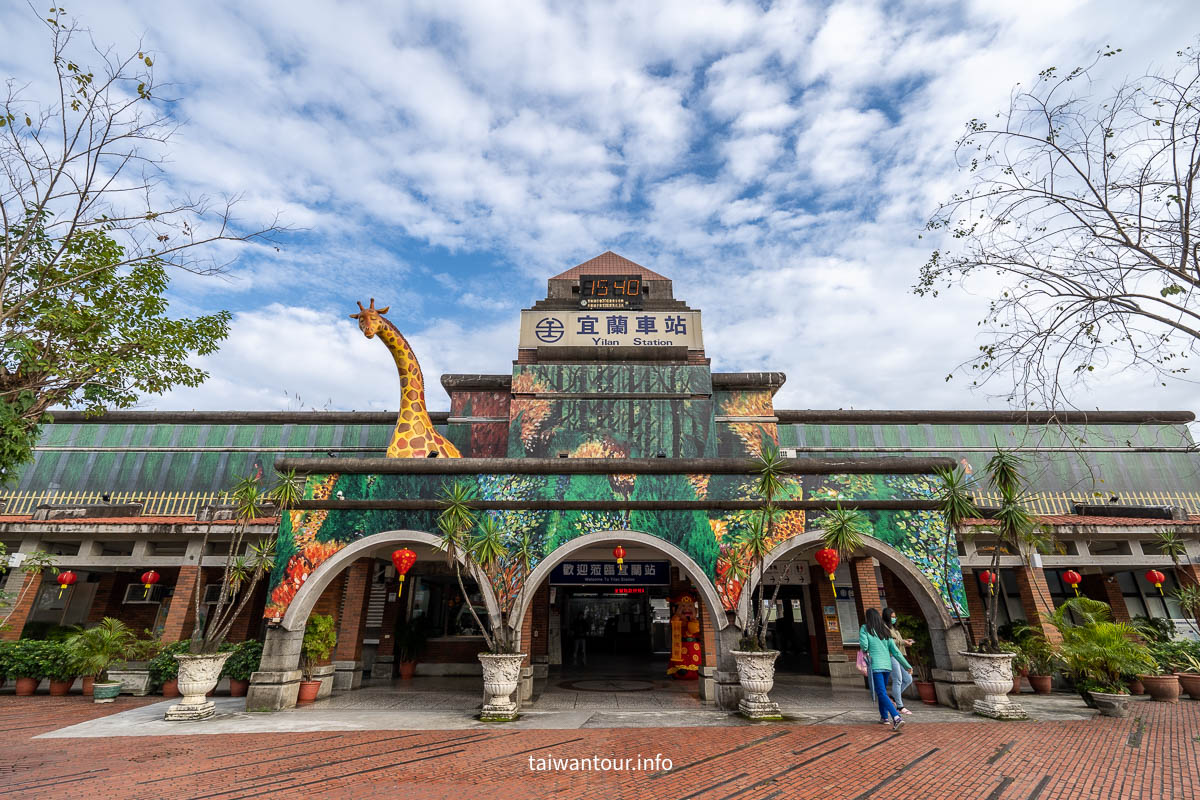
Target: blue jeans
[879, 680]
[901, 680]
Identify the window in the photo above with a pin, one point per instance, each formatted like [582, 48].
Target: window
[1143, 600]
[440, 601]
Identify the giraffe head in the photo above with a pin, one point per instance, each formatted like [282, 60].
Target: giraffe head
[370, 320]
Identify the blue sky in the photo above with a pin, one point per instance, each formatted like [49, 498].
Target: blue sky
[776, 160]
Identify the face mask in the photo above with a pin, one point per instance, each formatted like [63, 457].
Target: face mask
[893, 620]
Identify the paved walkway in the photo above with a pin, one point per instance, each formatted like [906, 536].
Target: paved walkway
[1153, 754]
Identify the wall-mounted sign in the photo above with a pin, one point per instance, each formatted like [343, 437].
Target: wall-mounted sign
[606, 573]
[604, 328]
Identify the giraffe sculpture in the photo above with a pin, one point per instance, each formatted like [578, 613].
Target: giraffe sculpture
[414, 436]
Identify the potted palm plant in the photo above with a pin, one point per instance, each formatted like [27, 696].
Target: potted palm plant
[480, 543]
[1098, 653]
[990, 665]
[241, 665]
[750, 547]
[97, 648]
[410, 640]
[245, 565]
[320, 638]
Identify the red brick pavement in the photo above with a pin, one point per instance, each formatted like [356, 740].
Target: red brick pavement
[1153, 754]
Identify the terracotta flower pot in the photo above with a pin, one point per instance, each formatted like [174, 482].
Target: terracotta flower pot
[61, 688]
[308, 692]
[171, 688]
[1016, 689]
[87, 685]
[927, 691]
[27, 686]
[407, 670]
[1040, 683]
[238, 688]
[1136, 687]
[1161, 688]
[1190, 683]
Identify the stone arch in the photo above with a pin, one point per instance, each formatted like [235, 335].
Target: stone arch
[302, 604]
[947, 638]
[703, 584]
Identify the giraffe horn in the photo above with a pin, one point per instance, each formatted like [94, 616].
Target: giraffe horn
[360, 310]
[383, 310]
[372, 303]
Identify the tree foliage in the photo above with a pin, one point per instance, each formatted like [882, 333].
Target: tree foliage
[91, 230]
[1079, 220]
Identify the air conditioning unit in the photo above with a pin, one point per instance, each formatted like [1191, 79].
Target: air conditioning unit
[136, 593]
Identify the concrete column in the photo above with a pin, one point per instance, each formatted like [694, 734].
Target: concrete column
[347, 655]
[1035, 598]
[727, 689]
[181, 611]
[23, 589]
[275, 685]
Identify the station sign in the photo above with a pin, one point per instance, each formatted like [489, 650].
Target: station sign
[611, 328]
[607, 573]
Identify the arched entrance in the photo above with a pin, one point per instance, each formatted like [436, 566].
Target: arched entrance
[590, 627]
[274, 686]
[824, 610]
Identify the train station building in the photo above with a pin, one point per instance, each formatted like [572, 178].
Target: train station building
[611, 372]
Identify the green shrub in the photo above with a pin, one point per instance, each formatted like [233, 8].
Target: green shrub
[163, 666]
[920, 652]
[320, 637]
[1175, 656]
[47, 631]
[244, 661]
[1099, 654]
[5, 658]
[59, 662]
[28, 659]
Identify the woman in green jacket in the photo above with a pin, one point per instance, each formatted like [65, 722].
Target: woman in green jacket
[879, 648]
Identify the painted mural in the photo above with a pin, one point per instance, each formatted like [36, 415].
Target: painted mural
[594, 411]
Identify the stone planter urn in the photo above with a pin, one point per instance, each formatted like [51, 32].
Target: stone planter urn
[198, 675]
[756, 674]
[500, 676]
[1111, 705]
[992, 673]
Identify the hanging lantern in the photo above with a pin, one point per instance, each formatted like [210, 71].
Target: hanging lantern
[1157, 578]
[403, 560]
[828, 559]
[149, 578]
[991, 579]
[64, 579]
[619, 555]
[1072, 579]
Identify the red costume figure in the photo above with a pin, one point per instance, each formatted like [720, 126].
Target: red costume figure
[685, 639]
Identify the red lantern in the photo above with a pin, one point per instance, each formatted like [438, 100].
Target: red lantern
[403, 560]
[1073, 579]
[828, 559]
[149, 578]
[1157, 578]
[991, 579]
[619, 555]
[64, 579]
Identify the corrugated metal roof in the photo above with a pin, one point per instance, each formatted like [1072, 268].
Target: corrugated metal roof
[1110, 458]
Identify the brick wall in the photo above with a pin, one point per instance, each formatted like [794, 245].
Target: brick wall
[828, 642]
[352, 614]
[28, 590]
[539, 645]
[866, 586]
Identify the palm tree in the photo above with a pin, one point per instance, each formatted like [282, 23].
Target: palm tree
[755, 542]
[1188, 597]
[95, 649]
[242, 571]
[955, 505]
[480, 542]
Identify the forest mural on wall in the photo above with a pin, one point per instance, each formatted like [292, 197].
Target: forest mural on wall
[677, 420]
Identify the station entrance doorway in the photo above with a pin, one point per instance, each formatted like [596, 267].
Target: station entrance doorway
[616, 623]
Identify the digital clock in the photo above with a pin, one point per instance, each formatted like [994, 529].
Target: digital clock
[610, 291]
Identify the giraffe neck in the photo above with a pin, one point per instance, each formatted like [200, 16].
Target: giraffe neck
[412, 383]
